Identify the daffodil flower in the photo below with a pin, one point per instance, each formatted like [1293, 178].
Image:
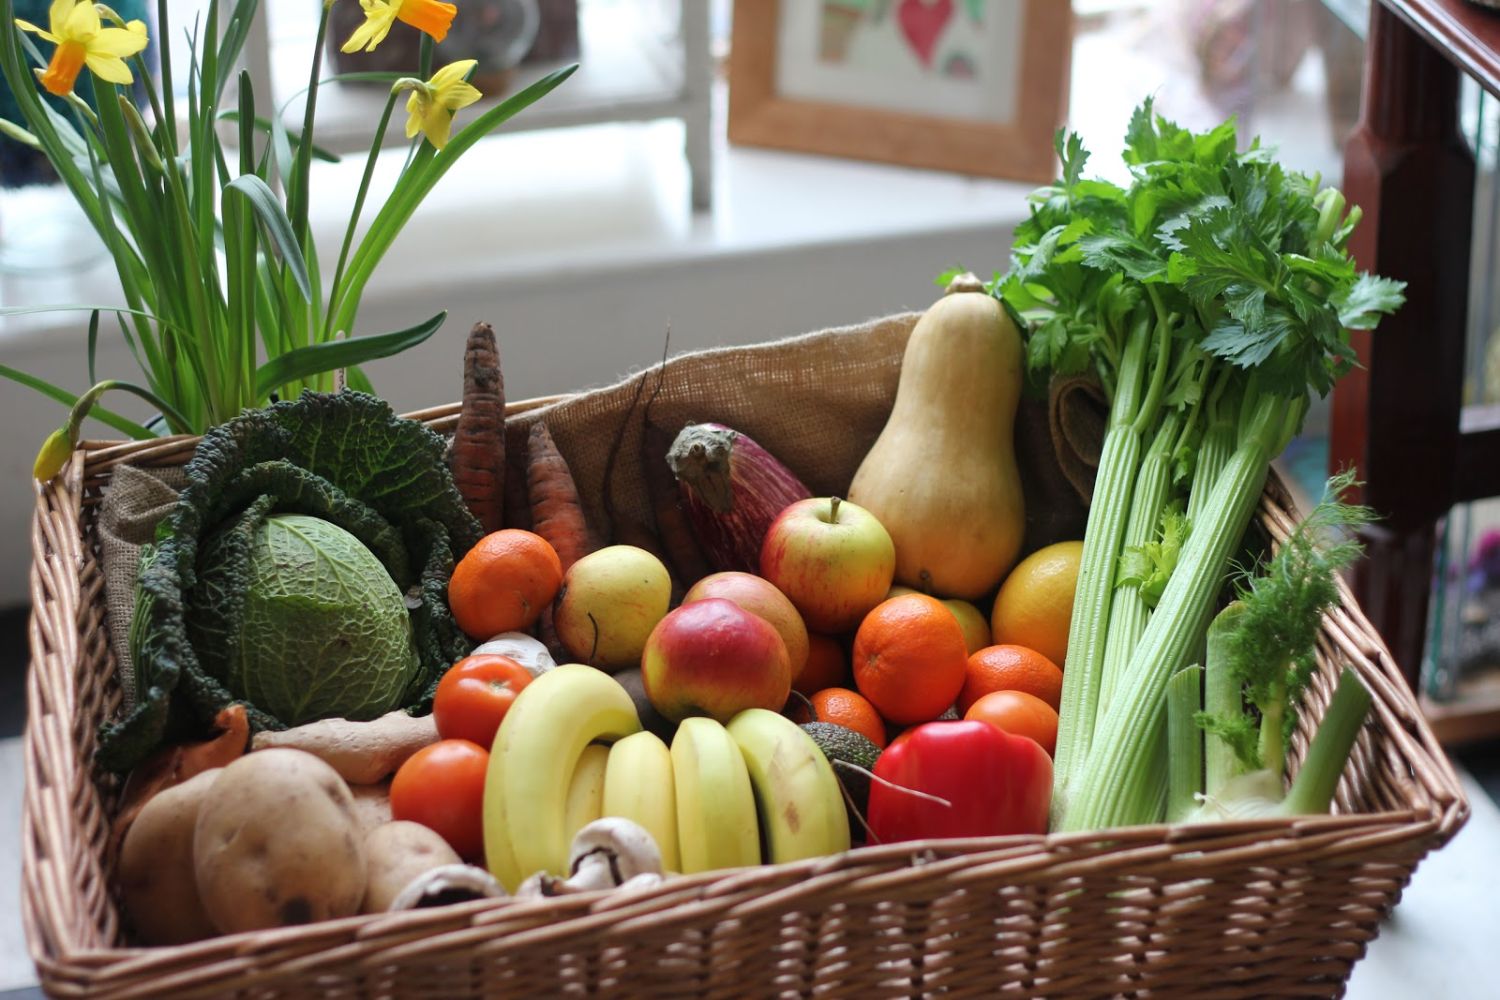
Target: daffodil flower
[82, 40]
[430, 16]
[431, 106]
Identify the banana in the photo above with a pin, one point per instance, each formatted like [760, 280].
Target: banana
[535, 755]
[716, 824]
[796, 792]
[638, 786]
[585, 799]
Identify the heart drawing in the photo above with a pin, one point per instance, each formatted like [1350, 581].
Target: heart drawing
[922, 22]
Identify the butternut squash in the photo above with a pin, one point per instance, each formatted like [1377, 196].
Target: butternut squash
[942, 476]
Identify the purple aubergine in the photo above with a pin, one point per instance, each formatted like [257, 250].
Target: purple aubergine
[732, 489]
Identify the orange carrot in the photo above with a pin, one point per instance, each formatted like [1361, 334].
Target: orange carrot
[478, 456]
[556, 511]
[517, 498]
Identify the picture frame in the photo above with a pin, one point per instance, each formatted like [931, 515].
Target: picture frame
[972, 86]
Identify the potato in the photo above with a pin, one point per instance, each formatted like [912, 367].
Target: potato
[396, 853]
[277, 843]
[372, 806]
[157, 886]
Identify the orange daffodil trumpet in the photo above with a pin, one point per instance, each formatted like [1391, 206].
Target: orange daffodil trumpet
[431, 106]
[431, 17]
[82, 40]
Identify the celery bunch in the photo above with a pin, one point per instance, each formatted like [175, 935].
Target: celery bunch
[1212, 296]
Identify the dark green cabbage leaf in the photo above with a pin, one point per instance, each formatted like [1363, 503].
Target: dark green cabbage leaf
[344, 457]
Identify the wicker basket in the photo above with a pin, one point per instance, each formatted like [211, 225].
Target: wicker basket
[1248, 909]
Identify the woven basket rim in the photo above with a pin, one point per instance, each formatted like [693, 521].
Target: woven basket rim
[1436, 809]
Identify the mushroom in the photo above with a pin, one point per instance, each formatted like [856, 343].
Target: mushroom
[447, 884]
[608, 853]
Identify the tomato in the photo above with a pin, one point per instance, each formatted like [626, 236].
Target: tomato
[442, 787]
[474, 695]
[1019, 714]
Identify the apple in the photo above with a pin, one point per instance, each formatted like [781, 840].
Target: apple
[714, 658]
[609, 602]
[832, 558]
[759, 597]
[975, 625]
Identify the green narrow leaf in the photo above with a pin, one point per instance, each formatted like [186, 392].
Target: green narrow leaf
[67, 398]
[263, 200]
[232, 42]
[326, 357]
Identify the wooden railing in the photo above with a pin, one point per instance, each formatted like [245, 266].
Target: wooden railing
[1400, 419]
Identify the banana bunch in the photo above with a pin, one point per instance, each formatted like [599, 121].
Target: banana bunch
[710, 801]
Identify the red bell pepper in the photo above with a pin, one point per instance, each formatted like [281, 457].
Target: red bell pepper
[995, 783]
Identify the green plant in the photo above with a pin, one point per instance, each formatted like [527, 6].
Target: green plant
[225, 303]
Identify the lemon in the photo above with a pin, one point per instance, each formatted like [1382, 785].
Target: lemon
[1035, 603]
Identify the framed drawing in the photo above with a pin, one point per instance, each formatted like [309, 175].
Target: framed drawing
[973, 86]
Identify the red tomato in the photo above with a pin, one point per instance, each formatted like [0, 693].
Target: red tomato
[1019, 714]
[442, 787]
[474, 695]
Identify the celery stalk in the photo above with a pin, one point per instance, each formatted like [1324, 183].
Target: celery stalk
[1184, 743]
[1118, 463]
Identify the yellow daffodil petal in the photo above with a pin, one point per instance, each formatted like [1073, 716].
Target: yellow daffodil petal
[413, 114]
[454, 72]
[57, 14]
[109, 68]
[460, 96]
[119, 42]
[379, 16]
[82, 23]
[28, 26]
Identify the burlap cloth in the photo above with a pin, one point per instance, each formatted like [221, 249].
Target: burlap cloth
[817, 402]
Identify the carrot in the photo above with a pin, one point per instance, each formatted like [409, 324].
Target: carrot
[677, 539]
[478, 456]
[516, 497]
[556, 511]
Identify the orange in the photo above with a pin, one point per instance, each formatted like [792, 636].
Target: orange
[1019, 714]
[503, 583]
[909, 657]
[1035, 603]
[827, 665]
[1010, 668]
[850, 710]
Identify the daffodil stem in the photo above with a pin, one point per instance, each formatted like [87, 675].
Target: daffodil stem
[85, 403]
[336, 296]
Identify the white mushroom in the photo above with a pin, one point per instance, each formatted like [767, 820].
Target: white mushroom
[608, 853]
[528, 652]
[447, 884]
